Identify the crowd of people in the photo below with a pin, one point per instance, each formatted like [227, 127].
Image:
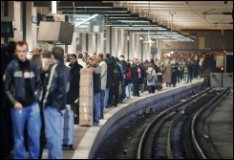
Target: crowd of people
[37, 88]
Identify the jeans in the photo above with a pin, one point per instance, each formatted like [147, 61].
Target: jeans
[129, 90]
[136, 86]
[190, 77]
[53, 130]
[102, 103]
[123, 94]
[97, 107]
[31, 115]
[106, 98]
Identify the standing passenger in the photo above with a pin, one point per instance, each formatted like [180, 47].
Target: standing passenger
[137, 77]
[97, 88]
[74, 89]
[81, 61]
[151, 73]
[23, 88]
[167, 74]
[54, 102]
[104, 69]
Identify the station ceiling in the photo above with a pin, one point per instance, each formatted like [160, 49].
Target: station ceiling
[135, 16]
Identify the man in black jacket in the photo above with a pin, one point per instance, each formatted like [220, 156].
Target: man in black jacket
[97, 89]
[54, 102]
[109, 81]
[74, 80]
[23, 88]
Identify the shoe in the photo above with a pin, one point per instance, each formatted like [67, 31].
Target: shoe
[95, 124]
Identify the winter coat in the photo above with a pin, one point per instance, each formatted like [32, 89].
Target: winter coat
[152, 71]
[167, 73]
[74, 80]
[104, 71]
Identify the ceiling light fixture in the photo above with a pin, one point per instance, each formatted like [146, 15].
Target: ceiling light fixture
[93, 16]
[54, 7]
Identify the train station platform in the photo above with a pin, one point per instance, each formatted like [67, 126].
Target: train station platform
[88, 139]
[221, 128]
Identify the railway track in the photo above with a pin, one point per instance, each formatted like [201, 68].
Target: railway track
[171, 134]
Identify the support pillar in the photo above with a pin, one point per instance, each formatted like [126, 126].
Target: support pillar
[92, 43]
[108, 40]
[114, 42]
[31, 28]
[100, 43]
[120, 42]
[131, 46]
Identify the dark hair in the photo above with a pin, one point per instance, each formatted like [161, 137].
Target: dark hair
[80, 55]
[46, 54]
[37, 60]
[122, 56]
[21, 43]
[58, 53]
[101, 55]
[108, 55]
[11, 47]
[3, 49]
[117, 59]
[73, 55]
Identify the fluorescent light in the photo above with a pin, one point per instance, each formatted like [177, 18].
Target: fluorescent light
[93, 16]
[129, 21]
[54, 7]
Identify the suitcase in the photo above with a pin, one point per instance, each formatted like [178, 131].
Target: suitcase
[68, 129]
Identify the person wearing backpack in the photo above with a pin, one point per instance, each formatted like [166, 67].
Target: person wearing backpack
[128, 81]
[151, 78]
[117, 78]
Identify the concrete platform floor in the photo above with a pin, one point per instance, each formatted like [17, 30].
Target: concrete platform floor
[221, 128]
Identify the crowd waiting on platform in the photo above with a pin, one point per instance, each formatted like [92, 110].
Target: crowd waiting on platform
[37, 86]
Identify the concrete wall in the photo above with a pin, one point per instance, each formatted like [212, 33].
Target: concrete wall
[206, 41]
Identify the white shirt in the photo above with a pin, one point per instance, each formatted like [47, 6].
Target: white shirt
[103, 74]
[82, 63]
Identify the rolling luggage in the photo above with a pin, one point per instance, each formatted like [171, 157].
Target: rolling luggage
[68, 129]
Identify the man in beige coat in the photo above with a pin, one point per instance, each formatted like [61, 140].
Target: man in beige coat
[167, 73]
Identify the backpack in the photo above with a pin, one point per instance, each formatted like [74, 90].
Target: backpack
[116, 72]
[150, 76]
[129, 75]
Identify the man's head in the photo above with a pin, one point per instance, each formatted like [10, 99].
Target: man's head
[93, 59]
[57, 54]
[80, 55]
[46, 60]
[21, 50]
[100, 57]
[135, 61]
[73, 58]
[108, 56]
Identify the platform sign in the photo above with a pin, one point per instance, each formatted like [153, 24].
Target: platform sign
[88, 23]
